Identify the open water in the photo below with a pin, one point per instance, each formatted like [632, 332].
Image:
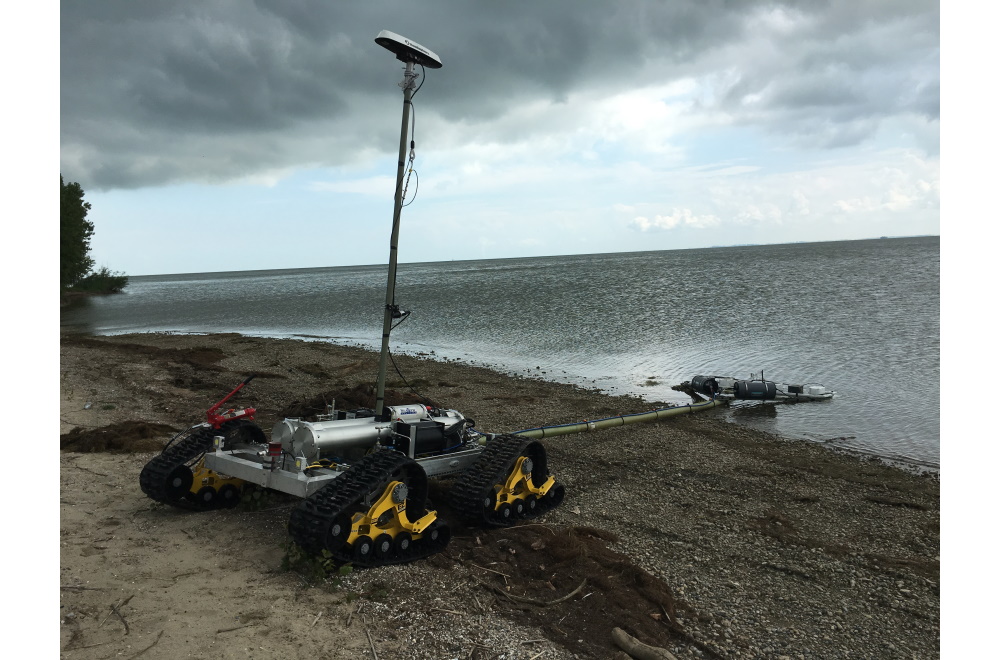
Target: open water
[861, 317]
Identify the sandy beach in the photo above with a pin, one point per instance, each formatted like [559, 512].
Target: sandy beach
[691, 534]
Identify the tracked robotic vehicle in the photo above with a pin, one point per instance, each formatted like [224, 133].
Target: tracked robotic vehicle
[362, 477]
[362, 474]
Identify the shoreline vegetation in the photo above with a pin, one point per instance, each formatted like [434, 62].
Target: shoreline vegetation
[690, 534]
[98, 283]
[76, 274]
[103, 280]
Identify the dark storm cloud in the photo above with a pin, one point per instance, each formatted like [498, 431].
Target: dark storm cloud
[832, 78]
[154, 93]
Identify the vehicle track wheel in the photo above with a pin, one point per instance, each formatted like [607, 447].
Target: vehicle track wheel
[346, 517]
[505, 512]
[363, 547]
[490, 501]
[402, 544]
[438, 534]
[511, 470]
[179, 482]
[383, 546]
[229, 496]
[206, 496]
[556, 494]
[339, 532]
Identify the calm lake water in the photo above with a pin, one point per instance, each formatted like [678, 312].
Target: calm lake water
[861, 317]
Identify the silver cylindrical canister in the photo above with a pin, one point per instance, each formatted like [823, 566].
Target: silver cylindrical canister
[282, 432]
[311, 439]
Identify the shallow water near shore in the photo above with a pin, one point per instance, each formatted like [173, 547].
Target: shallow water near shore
[861, 317]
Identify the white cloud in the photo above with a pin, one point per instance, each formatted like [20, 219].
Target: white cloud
[777, 21]
[893, 186]
[911, 183]
[678, 217]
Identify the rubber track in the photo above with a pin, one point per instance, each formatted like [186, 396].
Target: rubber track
[153, 477]
[474, 487]
[311, 520]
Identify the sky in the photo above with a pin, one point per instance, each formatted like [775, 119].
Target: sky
[233, 135]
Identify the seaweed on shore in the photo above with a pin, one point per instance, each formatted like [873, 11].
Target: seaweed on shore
[121, 438]
[203, 357]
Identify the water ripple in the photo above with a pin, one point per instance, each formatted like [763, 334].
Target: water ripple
[859, 316]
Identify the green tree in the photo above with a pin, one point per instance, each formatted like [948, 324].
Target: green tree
[74, 234]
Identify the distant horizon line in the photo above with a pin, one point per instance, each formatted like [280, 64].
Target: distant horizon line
[582, 254]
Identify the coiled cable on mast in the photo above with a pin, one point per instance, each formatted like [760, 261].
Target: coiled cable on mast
[409, 172]
[413, 153]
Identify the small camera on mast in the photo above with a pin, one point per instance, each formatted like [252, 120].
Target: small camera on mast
[408, 51]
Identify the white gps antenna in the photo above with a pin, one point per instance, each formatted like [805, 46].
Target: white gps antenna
[410, 53]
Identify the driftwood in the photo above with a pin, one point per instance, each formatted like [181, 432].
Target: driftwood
[441, 609]
[489, 569]
[158, 636]
[352, 613]
[225, 630]
[68, 586]
[637, 649]
[374, 653]
[114, 610]
[535, 601]
[543, 603]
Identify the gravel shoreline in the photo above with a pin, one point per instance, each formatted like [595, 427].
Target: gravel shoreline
[771, 548]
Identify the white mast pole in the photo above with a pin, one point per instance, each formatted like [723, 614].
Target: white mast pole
[408, 84]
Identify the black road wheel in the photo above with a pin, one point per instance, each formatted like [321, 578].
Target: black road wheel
[206, 496]
[438, 535]
[490, 502]
[229, 496]
[518, 508]
[505, 512]
[383, 546]
[339, 532]
[363, 547]
[556, 494]
[532, 503]
[179, 482]
[402, 543]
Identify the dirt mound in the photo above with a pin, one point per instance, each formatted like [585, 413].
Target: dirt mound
[122, 438]
[566, 581]
[359, 396]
